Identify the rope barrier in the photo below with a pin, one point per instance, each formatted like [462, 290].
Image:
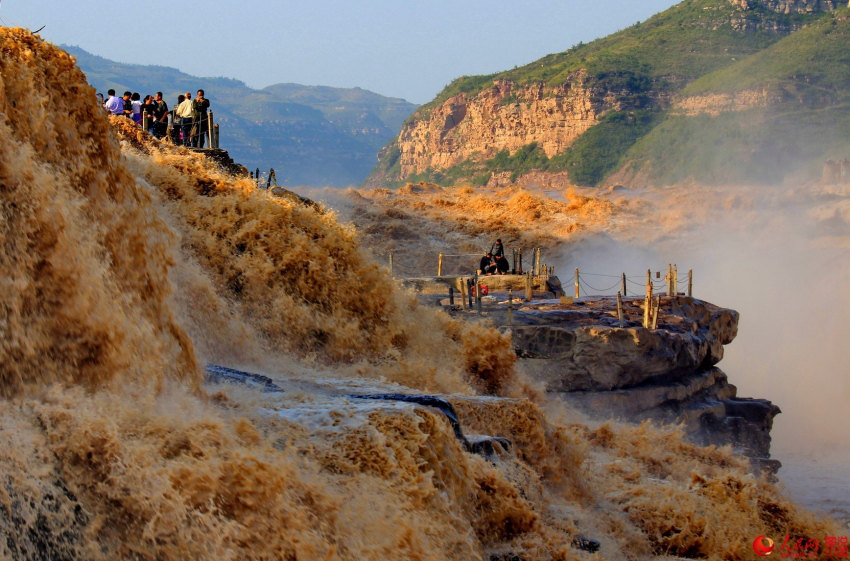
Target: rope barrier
[601, 275]
[582, 281]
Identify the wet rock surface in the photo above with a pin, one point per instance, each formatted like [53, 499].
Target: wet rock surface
[484, 445]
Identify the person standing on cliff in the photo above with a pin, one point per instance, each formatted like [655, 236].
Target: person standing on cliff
[160, 115]
[186, 113]
[114, 105]
[200, 105]
[497, 250]
[147, 112]
[127, 107]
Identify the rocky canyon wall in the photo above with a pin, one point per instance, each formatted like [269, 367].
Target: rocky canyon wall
[502, 117]
[791, 6]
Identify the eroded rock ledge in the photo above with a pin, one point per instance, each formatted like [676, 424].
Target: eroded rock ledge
[582, 356]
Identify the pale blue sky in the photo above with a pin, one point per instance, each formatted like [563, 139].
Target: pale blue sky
[401, 49]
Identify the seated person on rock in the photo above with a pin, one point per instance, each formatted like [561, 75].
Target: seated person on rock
[487, 266]
[502, 265]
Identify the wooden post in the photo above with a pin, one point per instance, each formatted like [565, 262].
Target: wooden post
[257, 176]
[624, 285]
[215, 135]
[462, 292]
[675, 279]
[440, 265]
[519, 270]
[514, 270]
[451, 296]
[669, 278]
[620, 310]
[391, 265]
[510, 306]
[647, 304]
[478, 293]
[145, 121]
[537, 262]
[578, 291]
[210, 130]
[528, 288]
[469, 292]
[655, 312]
[690, 283]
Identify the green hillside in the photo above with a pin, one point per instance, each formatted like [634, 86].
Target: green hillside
[695, 47]
[807, 121]
[814, 58]
[669, 49]
[311, 135]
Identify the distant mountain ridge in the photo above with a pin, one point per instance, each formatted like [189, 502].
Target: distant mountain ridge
[714, 91]
[311, 135]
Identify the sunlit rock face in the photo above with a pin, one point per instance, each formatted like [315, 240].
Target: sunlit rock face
[790, 6]
[502, 117]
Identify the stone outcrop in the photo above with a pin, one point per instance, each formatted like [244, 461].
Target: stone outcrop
[715, 104]
[748, 19]
[582, 356]
[573, 351]
[502, 117]
[790, 6]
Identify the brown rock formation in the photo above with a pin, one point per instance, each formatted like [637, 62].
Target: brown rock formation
[715, 104]
[502, 117]
[790, 6]
[581, 354]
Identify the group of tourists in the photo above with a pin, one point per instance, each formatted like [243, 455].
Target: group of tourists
[494, 261]
[186, 125]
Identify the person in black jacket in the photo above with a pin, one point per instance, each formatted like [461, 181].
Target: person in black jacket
[486, 266]
[502, 265]
[497, 250]
[201, 105]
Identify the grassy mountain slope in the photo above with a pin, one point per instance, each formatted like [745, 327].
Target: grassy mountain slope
[311, 135]
[675, 46]
[806, 78]
[643, 69]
